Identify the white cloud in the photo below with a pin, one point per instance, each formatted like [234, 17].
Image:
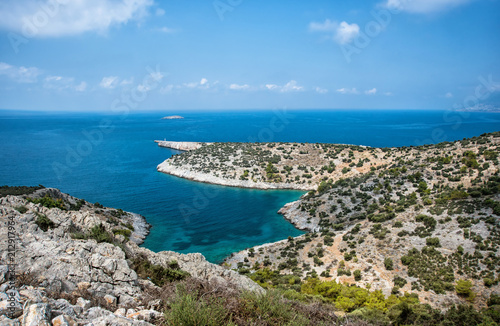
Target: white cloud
[347, 91]
[20, 74]
[372, 91]
[109, 82]
[152, 82]
[346, 33]
[239, 87]
[127, 81]
[157, 76]
[60, 83]
[143, 88]
[321, 90]
[166, 30]
[388, 94]
[166, 89]
[423, 6]
[327, 26]
[54, 18]
[448, 95]
[291, 86]
[159, 12]
[202, 84]
[81, 87]
[341, 33]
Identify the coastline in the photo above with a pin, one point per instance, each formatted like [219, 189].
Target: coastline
[166, 167]
[141, 228]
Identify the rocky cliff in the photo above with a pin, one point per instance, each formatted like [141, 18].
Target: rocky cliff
[65, 261]
[190, 174]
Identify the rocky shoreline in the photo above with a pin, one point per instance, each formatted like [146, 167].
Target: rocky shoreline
[76, 264]
[180, 145]
[168, 168]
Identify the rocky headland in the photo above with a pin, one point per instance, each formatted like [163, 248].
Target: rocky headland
[180, 145]
[299, 166]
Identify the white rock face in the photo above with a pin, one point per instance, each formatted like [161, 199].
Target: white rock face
[181, 145]
[37, 315]
[300, 219]
[167, 167]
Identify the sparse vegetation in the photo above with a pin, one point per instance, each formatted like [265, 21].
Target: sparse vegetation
[366, 205]
[43, 222]
[17, 191]
[157, 274]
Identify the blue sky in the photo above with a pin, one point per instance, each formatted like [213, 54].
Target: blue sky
[101, 55]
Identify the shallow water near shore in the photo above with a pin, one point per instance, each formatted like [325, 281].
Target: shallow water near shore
[112, 160]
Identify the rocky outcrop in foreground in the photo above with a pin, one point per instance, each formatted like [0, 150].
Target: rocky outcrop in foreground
[76, 264]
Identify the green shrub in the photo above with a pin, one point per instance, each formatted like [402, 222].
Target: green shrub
[187, 310]
[21, 209]
[464, 288]
[77, 206]
[372, 316]
[328, 241]
[128, 225]
[431, 269]
[388, 263]
[157, 274]
[398, 224]
[434, 242]
[270, 308]
[318, 261]
[494, 300]
[399, 281]
[357, 275]
[98, 232]
[428, 221]
[44, 223]
[463, 315]
[125, 232]
[488, 282]
[48, 202]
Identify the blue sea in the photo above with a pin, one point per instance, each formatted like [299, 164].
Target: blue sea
[112, 159]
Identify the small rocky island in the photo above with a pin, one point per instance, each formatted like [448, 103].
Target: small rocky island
[172, 117]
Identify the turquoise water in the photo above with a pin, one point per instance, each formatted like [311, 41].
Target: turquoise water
[113, 159]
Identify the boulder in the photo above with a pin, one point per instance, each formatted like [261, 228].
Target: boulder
[37, 315]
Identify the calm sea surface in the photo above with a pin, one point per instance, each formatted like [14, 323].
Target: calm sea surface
[112, 160]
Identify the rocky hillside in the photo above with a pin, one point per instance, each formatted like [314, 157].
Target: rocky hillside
[421, 220]
[65, 261]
